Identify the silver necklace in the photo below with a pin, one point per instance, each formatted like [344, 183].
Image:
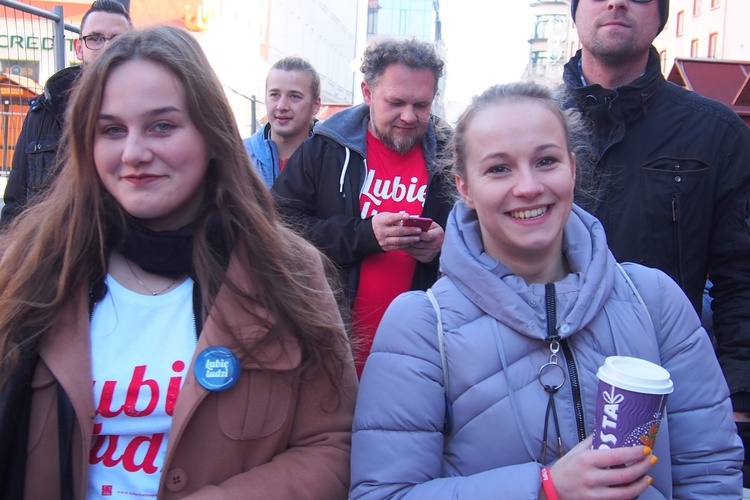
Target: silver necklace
[152, 292]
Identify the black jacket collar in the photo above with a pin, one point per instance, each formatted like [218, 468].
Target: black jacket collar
[630, 100]
[610, 111]
[57, 90]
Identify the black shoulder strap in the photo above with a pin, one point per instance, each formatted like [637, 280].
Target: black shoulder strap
[65, 421]
[15, 415]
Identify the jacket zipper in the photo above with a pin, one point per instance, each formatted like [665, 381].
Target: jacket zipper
[575, 389]
[575, 383]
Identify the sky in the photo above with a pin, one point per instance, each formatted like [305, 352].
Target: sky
[486, 43]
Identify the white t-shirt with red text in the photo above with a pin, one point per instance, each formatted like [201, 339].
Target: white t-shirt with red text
[141, 347]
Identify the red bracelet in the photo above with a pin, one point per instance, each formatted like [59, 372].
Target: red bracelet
[548, 485]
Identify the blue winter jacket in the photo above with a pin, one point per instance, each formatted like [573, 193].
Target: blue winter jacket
[264, 154]
[495, 326]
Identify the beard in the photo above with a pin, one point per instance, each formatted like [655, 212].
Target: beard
[617, 49]
[400, 146]
[616, 55]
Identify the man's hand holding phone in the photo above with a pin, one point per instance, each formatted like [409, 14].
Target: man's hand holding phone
[423, 223]
[421, 237]
[430, 240]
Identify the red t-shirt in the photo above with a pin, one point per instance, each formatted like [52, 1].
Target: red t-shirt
[394, 183]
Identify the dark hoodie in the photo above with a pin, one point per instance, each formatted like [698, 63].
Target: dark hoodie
[318, 191]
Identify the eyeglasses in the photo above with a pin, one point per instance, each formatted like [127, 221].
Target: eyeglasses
[96, 42]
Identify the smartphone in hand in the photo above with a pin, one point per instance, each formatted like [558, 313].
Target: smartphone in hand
[422, 223]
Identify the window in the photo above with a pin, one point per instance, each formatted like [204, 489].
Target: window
[694, 48]
[663, 60]
[713, 39]
[696, 8]
[715, 4]
[680, 22]
[537, 59]
[372, 21]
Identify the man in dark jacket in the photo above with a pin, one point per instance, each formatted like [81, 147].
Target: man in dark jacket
[351, 185]
[670, 177]
[36, 149]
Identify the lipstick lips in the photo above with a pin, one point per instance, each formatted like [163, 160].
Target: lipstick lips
[142, 180]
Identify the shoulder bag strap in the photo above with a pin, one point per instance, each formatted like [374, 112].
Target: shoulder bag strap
[448, 420]
[635, 290]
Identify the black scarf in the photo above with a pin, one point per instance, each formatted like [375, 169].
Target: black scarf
[166, 253]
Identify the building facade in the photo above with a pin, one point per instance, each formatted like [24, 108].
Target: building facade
[705, 29]
[550, 42]
[323, 32]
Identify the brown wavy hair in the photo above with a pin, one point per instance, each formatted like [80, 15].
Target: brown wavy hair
[58, 247]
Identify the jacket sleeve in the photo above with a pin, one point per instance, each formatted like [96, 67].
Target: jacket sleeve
[397, 444]
[15, 190]
[315, 463]
[308, 196]
[707, 453]
[729, 264]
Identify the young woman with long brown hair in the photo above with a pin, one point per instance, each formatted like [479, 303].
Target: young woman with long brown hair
[156, 270]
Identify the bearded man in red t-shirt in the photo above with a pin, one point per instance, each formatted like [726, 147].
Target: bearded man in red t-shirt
[364, 171]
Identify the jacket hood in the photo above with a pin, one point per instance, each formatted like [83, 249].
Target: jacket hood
[349, 128]
[57, 89]
[495, 290]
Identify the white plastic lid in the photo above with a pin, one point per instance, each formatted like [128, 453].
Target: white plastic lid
[636, 375]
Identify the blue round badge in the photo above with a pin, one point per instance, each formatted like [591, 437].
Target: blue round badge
[217, 368]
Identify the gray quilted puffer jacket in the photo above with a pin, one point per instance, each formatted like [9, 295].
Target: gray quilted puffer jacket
[495, 328]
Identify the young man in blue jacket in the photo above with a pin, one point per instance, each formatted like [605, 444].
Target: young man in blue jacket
[292, 101]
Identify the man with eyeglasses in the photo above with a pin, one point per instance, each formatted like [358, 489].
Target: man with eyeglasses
[668, 175]
[36, 149]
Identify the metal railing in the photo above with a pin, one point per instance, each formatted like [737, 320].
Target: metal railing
[55, 16]
[32, 48]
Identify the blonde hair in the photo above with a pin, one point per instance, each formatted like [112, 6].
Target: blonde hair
[573, 124]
